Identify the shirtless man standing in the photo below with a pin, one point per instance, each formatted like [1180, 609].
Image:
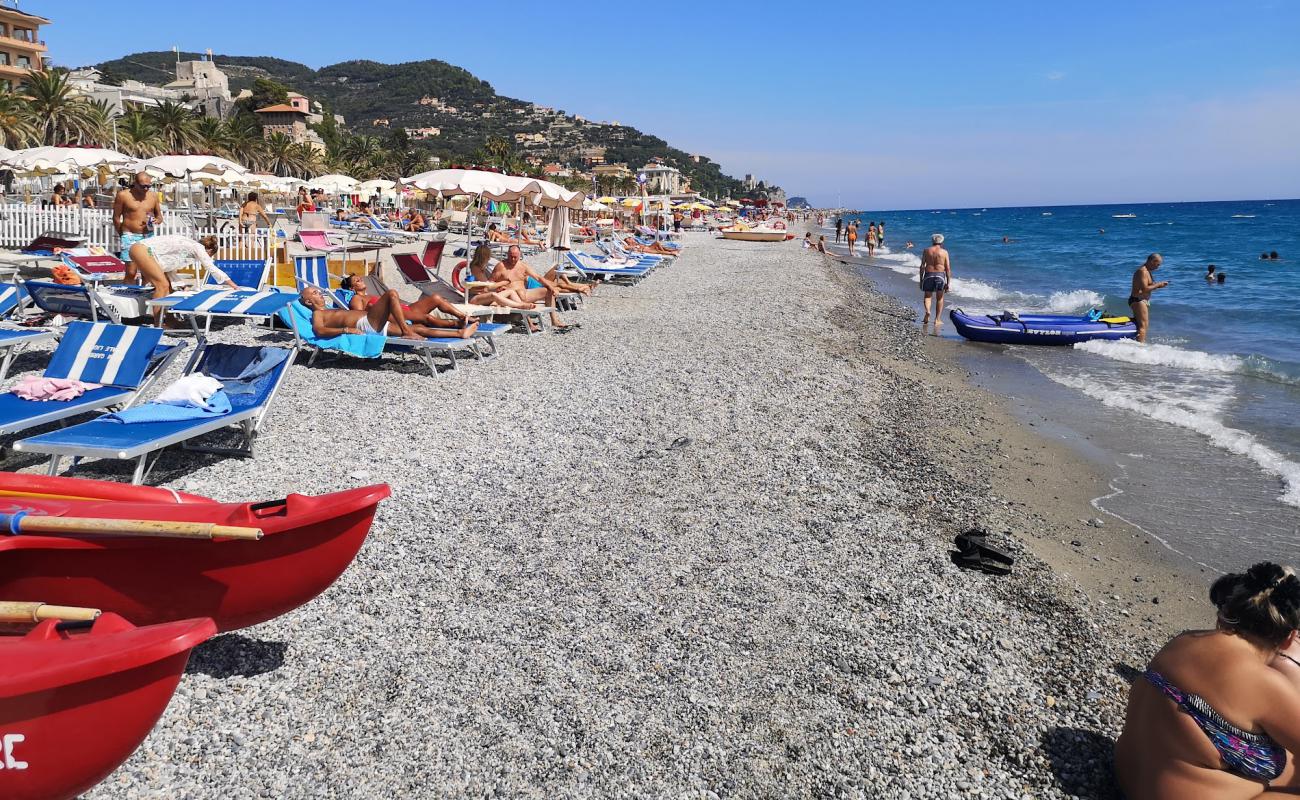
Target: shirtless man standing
[936, 276]
[132, 209]
[515, 272]
[1140, 295]
[384, 317]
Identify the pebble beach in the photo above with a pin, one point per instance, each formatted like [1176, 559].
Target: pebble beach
[698, 548]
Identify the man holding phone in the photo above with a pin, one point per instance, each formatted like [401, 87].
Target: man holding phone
[136, 210]
[1140, 299]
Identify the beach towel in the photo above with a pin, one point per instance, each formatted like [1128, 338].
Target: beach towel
[38, 387]
[191, 389]
[217, 405]
[360, 345]
[241, 369]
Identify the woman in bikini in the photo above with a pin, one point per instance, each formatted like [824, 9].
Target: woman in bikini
[1216, 712]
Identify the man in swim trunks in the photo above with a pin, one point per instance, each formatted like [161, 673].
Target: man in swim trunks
[1139, 299]
[936, 277]
[384, 317]
[132, 209]
[519, 275]
[457, 323]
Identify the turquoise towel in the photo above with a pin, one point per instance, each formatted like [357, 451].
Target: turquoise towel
[362, 345]
[218, 405]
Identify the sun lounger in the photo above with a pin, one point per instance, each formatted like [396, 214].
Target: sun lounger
[123, 359]
[144, 441]
[487, 331]
[422, 277]
[298, 317]
[95, 301]
[589, 267]
[249, 273]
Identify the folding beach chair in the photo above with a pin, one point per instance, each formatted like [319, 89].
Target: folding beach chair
[252, 377]
[89, 300]
[249, 273]
[318, 241]
[298, 317]
[238, 304]
[123, 359]
[313, 270]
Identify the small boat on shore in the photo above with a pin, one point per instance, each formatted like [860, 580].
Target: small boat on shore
[1048, 329]
[303, 544]
[762, 233]
[77, 698]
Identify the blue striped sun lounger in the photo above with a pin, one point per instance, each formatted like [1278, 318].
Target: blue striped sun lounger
[590, 267]
[123, 359]
[252, 376]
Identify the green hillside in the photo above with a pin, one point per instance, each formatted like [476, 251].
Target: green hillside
[467, 110]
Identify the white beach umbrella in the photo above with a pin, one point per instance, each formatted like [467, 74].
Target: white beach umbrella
[74, 160]
[334, 183]
[592, 205]
[377, 185]
[185, 166]
[557, 235]
[553, 195]
[476, 182]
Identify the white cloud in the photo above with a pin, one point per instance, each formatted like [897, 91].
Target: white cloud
[1055, 75]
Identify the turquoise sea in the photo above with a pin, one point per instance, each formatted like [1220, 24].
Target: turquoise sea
[1201, 426]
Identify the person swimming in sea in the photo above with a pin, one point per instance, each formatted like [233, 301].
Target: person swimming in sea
[1209, 274]
[1008, 240]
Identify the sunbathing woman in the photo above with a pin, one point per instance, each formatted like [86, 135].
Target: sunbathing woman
[384, 317]
[1210, 717]
[496, 293]
[497, 237]
[655, 249]
[462, 325]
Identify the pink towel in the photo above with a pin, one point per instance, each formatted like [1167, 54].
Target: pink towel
[37, 387]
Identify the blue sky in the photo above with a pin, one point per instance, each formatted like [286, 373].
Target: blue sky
[904, 105]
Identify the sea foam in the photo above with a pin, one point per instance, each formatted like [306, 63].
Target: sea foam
[1199, 417]
[1163, 355]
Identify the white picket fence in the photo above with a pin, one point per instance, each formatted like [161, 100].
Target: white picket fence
[21, 223]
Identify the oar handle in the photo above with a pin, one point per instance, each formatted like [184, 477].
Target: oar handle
[22, 522]
[36, 612]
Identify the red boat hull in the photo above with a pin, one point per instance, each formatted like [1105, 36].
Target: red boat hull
[308, 543]
[74, 706]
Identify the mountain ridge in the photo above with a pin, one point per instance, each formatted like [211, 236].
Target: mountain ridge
[376, 97]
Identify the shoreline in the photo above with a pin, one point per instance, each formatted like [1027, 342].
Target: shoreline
[1106, 559]
[699, 548]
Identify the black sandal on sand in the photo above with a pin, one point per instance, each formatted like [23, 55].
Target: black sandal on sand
[974, 552]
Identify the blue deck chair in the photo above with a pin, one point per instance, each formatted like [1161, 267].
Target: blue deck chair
[298, 317]
[14, 340]
[250, 273]
[144, 442]
[313, 270]
[90, 300]
[244, 304]
[615, 249]
[589, 267]
[124, 359]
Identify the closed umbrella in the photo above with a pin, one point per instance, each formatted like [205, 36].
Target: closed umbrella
[557, 235]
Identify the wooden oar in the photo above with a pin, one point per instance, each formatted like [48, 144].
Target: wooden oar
[22, 522]
[36, 612]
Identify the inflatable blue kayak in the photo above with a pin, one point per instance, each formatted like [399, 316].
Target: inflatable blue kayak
[1059, 329]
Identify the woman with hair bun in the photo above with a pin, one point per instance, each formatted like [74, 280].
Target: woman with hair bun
[1216, 712]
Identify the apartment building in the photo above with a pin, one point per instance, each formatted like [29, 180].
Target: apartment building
[21, 47]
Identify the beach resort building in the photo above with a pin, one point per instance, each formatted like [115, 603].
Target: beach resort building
[201, 85]
[662, 178]
[21, 48]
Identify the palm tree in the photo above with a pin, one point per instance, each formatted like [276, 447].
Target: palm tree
[244, 142]
[362, 149]
[409, 161]
[137, 136]
[98, 130]
[57, 113]
[281, 154]
[176, 126]
[16, 128]
[306, 161]
[212, 135]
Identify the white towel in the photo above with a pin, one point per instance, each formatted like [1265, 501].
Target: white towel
[192, 390]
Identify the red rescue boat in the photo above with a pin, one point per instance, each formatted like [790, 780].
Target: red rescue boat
[77, 698]
[308, 541]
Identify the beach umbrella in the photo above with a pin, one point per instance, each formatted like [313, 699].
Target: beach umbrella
[607, 200]
[631, 202]
[186, 165]
[557, 234]
[75, 160]
[335, 183]
[594, 205]
[478, 183]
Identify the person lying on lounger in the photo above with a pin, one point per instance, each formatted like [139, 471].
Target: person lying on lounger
[419, 312]
[494, 293]
[498, 237]
[516, 274]
[384, 317]
[482, 265]
[656, 249]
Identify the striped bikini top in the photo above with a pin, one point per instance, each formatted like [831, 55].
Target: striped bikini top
[1254, 756]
